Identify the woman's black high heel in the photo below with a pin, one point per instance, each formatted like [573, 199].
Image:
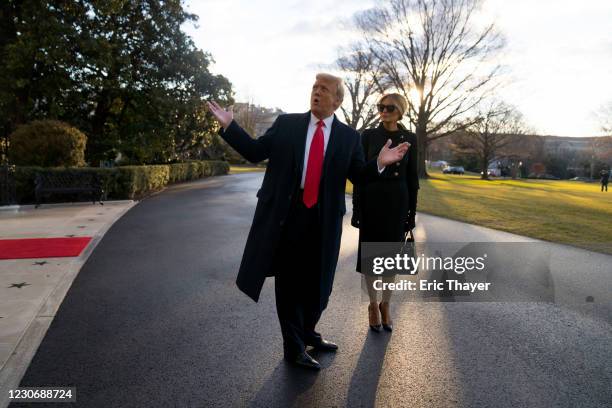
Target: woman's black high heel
[387, 324]
[374, 317]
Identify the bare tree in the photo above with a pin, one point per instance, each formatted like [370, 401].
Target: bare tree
[600, 152]
[247, 114]
[362, 80]
[605, 118]
[492, 135]
[438, 56]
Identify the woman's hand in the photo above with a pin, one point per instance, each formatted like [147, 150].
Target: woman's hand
[388, 156]
[410, 224]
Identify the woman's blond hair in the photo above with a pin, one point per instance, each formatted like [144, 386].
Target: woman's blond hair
[397, 100]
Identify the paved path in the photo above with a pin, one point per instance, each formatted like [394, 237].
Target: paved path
[31, 290]
[154, 319]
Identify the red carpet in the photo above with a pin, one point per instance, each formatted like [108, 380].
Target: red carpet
[42, 247]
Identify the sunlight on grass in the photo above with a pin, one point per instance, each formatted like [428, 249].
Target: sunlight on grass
[569, 212]
[245, 168]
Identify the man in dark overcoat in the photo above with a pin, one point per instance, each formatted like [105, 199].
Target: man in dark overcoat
[297, 226]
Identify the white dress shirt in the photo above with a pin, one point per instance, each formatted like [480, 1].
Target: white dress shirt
[312, 127]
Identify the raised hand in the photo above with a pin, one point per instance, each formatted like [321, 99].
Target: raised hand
[224, 117]
[388, 156]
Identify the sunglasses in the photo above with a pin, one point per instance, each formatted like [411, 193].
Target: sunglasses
[389, 108]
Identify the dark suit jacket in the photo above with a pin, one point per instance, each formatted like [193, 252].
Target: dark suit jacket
[284, 145]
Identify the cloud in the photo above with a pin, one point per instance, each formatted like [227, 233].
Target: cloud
[317, 27]
[559, 52]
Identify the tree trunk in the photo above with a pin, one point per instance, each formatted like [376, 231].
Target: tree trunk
[422, 144]
[484, 167]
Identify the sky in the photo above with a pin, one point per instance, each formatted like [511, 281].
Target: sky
[558, 53]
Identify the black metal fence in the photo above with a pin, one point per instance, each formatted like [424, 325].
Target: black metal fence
[7, 185]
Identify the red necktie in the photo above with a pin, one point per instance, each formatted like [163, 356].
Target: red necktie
[314, 167]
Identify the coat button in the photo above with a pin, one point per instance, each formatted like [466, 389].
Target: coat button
[397, 164]
[282, 223]
[289, 197]
[396, 174]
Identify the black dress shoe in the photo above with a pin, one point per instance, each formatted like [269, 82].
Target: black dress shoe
[304, 359]
[324, 345]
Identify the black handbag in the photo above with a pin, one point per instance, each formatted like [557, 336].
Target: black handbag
[409, 247]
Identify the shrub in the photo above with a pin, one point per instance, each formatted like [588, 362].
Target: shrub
[125, 182]
[47, 143]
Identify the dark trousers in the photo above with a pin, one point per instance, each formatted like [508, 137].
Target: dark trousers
[298, 278]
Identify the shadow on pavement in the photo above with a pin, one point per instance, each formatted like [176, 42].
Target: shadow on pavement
[284, 386]
[364, 382]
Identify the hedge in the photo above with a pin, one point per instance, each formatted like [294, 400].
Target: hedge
[125, 182]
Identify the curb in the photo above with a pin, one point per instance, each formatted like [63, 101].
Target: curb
[17, 364]
[19, 207]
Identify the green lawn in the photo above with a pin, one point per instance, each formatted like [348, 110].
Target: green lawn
[245, 168]
[569, 212]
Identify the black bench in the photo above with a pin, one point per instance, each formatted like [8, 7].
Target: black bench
[47, 183]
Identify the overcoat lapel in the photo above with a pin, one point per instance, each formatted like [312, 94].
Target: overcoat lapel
[332, 146]
[299, 145]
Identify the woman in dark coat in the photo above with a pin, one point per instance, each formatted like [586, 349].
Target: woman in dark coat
[384, 209]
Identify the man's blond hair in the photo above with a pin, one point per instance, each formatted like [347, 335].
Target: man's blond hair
[336, 80]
